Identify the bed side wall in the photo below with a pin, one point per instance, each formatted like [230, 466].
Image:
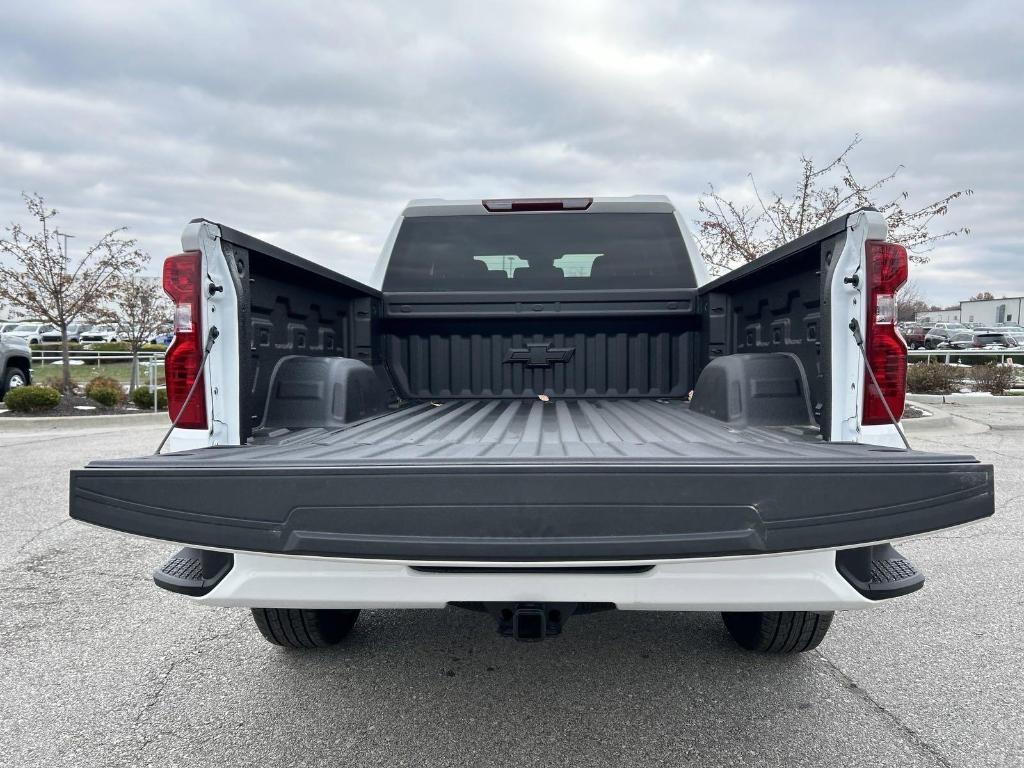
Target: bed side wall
[778, 308]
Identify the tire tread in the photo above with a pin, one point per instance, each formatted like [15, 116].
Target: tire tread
[778, 632]
[304, 628]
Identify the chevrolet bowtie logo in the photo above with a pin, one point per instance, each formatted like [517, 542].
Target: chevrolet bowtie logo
[540, 355]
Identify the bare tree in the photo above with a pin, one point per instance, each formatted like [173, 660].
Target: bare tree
[982, 296]
[909, 302]
[46, 282]
[137, 305]
[734, 233]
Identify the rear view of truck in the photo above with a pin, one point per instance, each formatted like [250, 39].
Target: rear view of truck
[545, 409]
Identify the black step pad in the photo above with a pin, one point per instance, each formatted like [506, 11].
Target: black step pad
[888, 571]
[879, 572]
[193, 571]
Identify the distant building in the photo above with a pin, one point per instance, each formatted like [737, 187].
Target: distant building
[938, 316]
[992, 311]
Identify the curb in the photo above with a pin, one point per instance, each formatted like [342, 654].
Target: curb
[964, 398]
[33, 423]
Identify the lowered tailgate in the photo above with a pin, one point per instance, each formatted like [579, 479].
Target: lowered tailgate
[531, 481]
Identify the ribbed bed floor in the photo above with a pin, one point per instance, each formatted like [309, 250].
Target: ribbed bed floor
[532, 429]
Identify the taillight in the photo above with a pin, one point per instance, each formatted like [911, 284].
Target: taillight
[885, 349]
[182, 365]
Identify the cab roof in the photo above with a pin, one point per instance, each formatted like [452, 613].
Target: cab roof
[507, 205]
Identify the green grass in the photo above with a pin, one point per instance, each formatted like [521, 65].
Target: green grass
[83, 373]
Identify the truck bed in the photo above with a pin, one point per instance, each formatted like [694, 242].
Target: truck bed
[527, 430]
[535, 432]
[528, 481]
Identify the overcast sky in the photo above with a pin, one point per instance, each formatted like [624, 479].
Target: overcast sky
[310, 125]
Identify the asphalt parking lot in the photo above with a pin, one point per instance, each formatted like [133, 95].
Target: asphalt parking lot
[100, 668]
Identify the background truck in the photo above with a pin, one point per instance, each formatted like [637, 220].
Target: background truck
[15, 363]
[545, 408]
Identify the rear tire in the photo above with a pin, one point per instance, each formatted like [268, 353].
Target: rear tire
[300, 628]
[778, 631]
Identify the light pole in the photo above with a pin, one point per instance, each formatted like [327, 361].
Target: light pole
[65, 236]
[64, 327]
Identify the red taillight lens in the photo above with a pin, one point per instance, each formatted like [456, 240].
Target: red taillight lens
[885, 349]
[182, 281]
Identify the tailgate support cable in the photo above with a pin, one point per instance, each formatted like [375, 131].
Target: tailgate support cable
[210, 339]
[855, 330]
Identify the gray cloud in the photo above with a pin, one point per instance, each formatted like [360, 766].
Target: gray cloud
[311, 124]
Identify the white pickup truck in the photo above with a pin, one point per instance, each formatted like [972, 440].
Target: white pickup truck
[541, 408]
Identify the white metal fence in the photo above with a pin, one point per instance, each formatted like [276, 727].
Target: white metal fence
[48, 362]
[966, 356]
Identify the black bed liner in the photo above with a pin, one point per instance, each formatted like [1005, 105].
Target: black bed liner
[528, 480]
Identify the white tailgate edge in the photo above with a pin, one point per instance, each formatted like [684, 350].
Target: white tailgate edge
[222, 373]
[847, 364]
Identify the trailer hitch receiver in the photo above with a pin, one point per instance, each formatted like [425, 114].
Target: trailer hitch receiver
[529, 623]
[533, 622]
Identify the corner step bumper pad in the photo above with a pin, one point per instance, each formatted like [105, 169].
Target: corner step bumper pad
[879, 572]
[193, 571]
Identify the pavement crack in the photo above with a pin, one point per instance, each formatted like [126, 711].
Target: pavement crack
[909, 733]
[967, 536]
[19, 444]
[39, 533]
[202, 646]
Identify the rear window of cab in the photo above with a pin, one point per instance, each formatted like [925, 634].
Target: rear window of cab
[539, 251]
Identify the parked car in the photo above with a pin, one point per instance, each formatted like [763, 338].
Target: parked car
[100, 333]
[937, 336]
[74, 334]
[914, 336]
[964, 340]
[514, 435]
[994, 339]
[978, 340]
[15, 363]
[162, 334]
[32, 332]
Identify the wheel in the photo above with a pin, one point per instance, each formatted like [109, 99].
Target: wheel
[297, 628]
[778, 631]
[13, 377]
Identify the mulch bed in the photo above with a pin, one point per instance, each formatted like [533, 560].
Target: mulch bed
[912, 412]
